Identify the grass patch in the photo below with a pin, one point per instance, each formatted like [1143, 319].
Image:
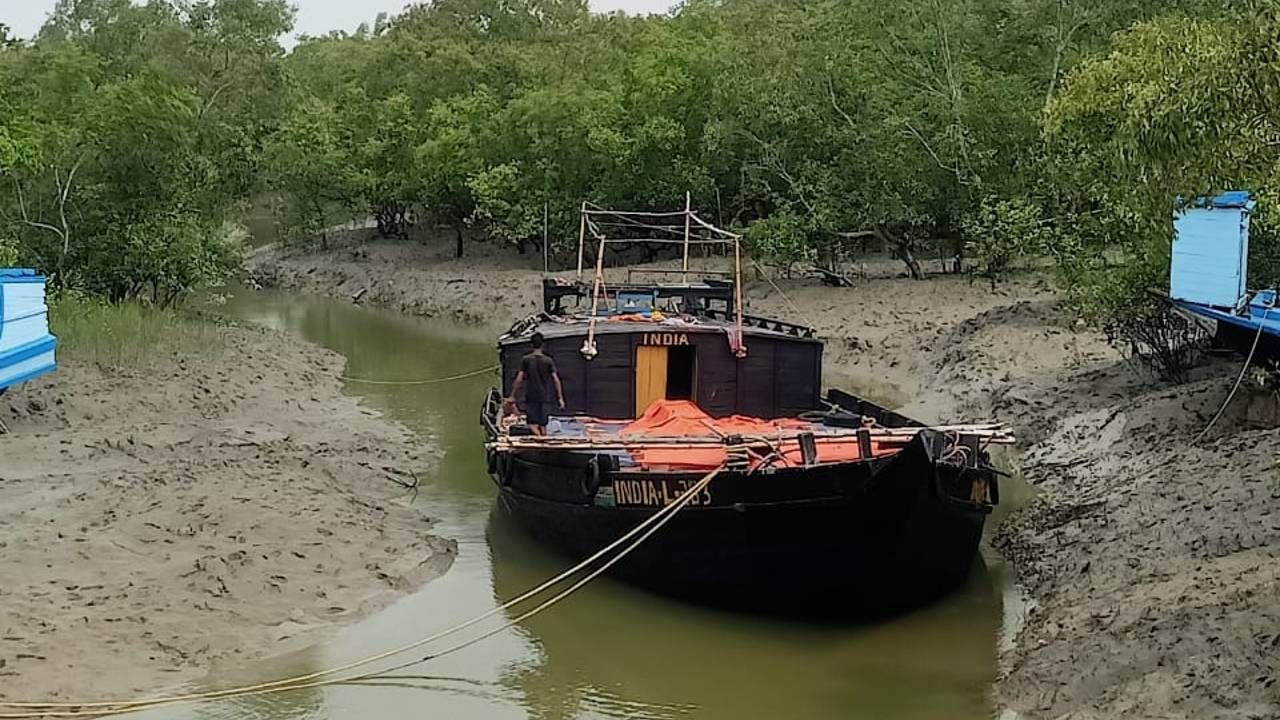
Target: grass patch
[127, 335]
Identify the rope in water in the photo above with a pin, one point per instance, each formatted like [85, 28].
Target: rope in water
[115, 707]
[1247, 362]
[433, 381]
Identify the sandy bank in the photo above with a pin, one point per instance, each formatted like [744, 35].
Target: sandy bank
[1152, 563]
[223, 503]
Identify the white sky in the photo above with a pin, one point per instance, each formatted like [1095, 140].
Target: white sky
[315, 17]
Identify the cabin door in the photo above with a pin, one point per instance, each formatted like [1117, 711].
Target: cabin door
[651, 376]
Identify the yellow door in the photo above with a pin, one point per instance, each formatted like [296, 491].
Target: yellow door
[651, 377]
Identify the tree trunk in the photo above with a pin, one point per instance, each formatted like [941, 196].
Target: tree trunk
[457, 233]
[902, 250]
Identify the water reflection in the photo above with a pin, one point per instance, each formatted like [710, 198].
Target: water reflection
[609, 651]
[615, 650]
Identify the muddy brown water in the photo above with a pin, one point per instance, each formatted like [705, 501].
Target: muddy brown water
[610, 651]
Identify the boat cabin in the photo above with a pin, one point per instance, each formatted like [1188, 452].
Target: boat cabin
[621, 348]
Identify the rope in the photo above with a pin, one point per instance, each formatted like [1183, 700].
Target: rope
[794, 307]
[677, 505]
[1247, 362]
[435, 381]
[300, 682]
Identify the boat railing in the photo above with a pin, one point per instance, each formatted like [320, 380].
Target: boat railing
[839, 401]
[491, 413]
[694, 295]
[764, 323]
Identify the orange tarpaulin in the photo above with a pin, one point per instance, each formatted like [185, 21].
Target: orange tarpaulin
[681, 418]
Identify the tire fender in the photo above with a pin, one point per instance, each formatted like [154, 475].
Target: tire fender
[591, 477]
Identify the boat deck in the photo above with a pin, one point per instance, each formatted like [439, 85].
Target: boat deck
[677, 435]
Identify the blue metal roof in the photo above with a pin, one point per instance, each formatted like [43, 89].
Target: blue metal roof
[1232, 200]
[16, 272]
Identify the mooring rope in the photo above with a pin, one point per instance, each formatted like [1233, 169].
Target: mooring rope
[106, 708]
[1244, 370]
[433, 381]
[784, 295]
[678, 504]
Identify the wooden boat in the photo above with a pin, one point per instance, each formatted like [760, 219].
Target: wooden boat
[26, 346]
[826, 505]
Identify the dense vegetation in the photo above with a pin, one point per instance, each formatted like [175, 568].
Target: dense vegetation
[982, 132]
[128, 136]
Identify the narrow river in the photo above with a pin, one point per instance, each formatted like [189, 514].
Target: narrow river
[609, 651]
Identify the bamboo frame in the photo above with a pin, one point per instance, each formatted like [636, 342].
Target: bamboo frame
[665, 241]
[582, 238]
[691, 218]
[688, 213]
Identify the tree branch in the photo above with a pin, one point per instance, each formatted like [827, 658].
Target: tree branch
[22, 208]
[65, 191]
[1063, 42]
[212, 99]
[831, 90]
[911, 130]
[778, 167]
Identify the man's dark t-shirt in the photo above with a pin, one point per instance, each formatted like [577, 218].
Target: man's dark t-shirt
[538, 369]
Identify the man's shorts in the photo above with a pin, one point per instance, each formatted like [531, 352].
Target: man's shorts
[538, 413]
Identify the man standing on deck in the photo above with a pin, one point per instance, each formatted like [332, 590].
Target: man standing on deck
[537, 373]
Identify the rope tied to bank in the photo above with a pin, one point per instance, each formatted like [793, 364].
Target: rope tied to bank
[1248, 361]
[33, 710]
[795, 308]
[432, 381]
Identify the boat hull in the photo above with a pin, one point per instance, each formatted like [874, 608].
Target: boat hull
[865, 538]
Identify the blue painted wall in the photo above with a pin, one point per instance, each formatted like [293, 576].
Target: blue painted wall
[1211, 252]
[27, 350]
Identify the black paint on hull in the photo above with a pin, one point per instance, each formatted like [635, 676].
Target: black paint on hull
[857, 539]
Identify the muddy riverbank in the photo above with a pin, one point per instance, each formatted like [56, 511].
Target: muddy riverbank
[216, 503]
[1152, 562]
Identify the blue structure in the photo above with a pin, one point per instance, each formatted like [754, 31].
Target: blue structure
[1211, 251]
[26, 346]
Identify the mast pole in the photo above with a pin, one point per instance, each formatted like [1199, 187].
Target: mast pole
[546, 251]
[688, 213]
[741, 350]
[589, 350]
[582, 238]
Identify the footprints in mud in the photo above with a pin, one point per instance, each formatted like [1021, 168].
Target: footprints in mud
[138, 527]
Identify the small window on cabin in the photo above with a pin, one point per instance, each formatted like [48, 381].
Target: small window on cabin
[631, 303]
[682, 367]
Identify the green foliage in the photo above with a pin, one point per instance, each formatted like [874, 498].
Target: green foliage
[1147, 122]
[999, 233]
[124, 335]
[782, 238]
[847, 118]
[9, 253]
[131, 134]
